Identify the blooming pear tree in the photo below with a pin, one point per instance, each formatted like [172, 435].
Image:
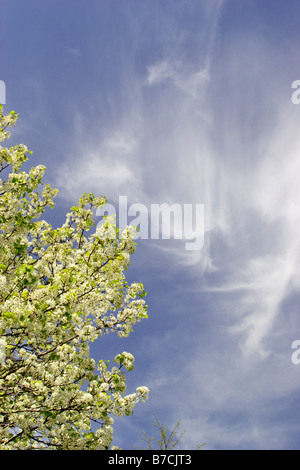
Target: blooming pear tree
[60, 290]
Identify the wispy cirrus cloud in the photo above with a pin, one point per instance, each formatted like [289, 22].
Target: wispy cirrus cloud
[191, 83]
[169, 145]
[216, 130]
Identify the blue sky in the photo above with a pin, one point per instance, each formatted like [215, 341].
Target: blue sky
[188, 102]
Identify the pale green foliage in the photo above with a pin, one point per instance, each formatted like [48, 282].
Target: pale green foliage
[59, 290]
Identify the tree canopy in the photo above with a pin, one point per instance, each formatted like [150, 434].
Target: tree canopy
[60, 290]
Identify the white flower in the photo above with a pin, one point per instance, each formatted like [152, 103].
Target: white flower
[2, 282]
[60, 292]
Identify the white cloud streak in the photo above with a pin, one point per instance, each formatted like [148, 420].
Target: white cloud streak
[163, 151]
[173, 147]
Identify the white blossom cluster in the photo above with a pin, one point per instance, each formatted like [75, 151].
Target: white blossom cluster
[59, 290]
